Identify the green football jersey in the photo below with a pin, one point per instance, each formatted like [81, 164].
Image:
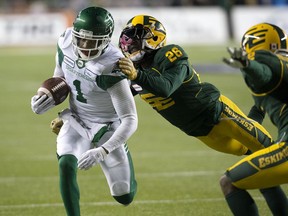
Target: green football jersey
[173, 88]
[267, 78]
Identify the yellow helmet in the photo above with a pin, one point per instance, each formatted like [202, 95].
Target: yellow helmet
[264, 36]
[142, 34]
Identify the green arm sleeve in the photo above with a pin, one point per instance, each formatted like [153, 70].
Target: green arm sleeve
[164, 84]
[257, 73]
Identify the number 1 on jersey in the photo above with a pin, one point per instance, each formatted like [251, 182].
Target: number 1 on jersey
[79, 97]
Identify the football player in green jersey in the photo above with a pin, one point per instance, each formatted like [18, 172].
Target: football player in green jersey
[102, 113]
[263, 60]
[163, 77]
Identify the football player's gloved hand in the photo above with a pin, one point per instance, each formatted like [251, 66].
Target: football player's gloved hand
[238, 58]
[127, 67]
[41, 104]
[56, 125]
[91, 158]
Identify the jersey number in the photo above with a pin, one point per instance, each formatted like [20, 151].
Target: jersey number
[157, 103]
[79, 96]
[173, 54]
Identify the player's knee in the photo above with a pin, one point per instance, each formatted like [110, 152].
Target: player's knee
[226, 185]
[67, 163]
[126, 195]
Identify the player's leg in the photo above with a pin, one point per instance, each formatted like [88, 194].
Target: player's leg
[219, 141]
[119, 171]
[239, 201]
[266, 168]
[236, 133]
[70, 145]
[68, 184]
[251, 136]
[276, 200]
[247, 131]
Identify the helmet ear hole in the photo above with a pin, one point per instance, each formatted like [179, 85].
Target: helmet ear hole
[155, 38]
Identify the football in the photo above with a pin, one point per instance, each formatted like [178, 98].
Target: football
[55, 87]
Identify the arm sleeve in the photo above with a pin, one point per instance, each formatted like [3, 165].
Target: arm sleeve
[257, 73]
[125, 107]
[164, 84]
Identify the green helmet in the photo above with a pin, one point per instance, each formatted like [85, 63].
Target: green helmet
[92, 32]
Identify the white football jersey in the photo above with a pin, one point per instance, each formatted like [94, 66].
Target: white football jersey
[88, 98]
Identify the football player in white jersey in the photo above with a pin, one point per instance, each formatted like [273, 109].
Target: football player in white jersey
[102, 114]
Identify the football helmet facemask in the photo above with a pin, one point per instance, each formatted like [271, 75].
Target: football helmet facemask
[264, 36]
[142, 34]
[92, 31]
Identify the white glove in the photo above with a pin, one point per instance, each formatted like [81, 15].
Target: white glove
[91, 158]
[41, 104]
[238, 58]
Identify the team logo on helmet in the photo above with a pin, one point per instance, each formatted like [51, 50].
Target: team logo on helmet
[142, 35]
[264, 36]
[92, 31]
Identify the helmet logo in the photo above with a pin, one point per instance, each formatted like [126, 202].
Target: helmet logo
[264, 36]
[252, 40]
[147, 34]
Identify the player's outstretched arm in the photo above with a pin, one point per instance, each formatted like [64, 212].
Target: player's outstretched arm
[238, 58]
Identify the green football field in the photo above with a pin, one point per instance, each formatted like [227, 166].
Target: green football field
[176, 174]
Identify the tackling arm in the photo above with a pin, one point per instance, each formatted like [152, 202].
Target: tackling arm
[254, 71]
[162, 84]
[165, 83]
[257, 73]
